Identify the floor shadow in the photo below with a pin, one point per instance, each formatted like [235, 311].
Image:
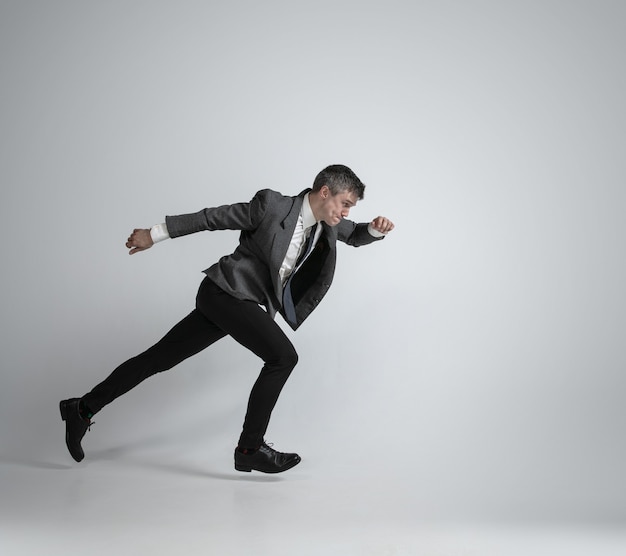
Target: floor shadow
[35, 463]
[128, 454]
[204, 473]
[117, 453]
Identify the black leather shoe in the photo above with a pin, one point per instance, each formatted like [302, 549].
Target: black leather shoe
[75, 427]
[265, 460]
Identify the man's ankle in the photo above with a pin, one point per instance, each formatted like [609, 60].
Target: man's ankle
[84, 411]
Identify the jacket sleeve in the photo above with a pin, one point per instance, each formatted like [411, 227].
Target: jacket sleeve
[355, 234]
[239, 216]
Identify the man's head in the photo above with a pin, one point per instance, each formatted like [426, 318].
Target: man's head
[339, 178]
[336, 190]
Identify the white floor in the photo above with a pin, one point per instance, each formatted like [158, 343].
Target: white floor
[159, 499]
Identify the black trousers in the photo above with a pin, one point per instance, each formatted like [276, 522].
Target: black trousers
[216, 315]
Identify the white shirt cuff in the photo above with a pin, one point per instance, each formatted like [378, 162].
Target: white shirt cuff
[374, 232]
[159, 233]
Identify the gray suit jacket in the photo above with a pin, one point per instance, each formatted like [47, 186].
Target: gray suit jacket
[267, 224]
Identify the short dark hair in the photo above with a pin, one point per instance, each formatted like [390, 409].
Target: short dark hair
[339, 178]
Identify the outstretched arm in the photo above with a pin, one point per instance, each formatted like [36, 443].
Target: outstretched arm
[239, 216]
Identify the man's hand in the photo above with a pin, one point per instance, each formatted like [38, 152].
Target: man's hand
[382, 224]
[139, 240]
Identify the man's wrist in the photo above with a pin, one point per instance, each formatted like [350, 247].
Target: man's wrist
[374, 232]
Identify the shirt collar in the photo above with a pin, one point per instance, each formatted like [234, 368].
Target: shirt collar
[308, 218]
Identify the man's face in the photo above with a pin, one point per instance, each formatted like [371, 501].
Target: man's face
[335, 207]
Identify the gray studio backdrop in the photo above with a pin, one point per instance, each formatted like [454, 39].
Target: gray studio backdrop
[473, 361]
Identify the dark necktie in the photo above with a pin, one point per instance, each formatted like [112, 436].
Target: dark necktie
[290, 310]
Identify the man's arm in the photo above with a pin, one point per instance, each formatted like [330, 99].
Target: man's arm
[239, 216]
[363, 234]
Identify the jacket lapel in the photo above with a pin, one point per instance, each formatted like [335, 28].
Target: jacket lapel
[283, 235]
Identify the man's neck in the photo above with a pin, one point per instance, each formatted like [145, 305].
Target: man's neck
[308, 214]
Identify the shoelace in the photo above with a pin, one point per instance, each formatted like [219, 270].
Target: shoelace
[269, 445]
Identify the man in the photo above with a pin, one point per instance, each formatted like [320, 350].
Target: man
[284, 262]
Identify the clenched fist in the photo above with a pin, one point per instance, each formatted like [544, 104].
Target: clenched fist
[139, 240]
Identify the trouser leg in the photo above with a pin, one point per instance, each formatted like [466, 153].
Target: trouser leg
[191, 335]
[253, 328]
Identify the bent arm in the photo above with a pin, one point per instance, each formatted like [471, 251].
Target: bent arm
[364, 233]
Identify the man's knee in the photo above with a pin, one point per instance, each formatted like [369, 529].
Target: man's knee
[285, 361]
[293, 358]
[290, 359]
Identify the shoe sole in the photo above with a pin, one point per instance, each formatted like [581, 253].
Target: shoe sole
[249, 468]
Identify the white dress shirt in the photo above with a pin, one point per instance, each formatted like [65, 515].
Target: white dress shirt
[306, 220]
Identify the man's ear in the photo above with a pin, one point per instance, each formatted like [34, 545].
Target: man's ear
[324, 192]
